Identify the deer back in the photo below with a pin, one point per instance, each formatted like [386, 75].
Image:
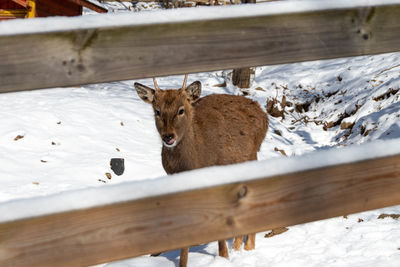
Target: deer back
[228, 129]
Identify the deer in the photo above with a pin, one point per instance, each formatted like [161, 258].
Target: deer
[197, 132]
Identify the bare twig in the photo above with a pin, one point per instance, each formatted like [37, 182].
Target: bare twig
[395, 66]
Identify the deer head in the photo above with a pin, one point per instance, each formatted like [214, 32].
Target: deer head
[172, 109]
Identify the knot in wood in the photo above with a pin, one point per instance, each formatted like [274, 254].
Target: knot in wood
[230, 221]
[242, 192]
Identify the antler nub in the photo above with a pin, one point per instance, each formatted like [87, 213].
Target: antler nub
[156, 84]
[184, 82]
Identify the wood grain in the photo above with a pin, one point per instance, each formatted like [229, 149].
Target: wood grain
[150, 225]
[89, 5]
[138, 51]
[22, 3]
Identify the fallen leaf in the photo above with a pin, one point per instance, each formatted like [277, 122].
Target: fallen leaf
[220, 84]
[277, 132]
[18, 137]
[393, 216]
[276, 231]
[346, 125]
[281, 151]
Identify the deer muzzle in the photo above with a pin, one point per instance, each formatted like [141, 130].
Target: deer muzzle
[169, 140]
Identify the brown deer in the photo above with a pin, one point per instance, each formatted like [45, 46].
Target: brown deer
[198, 132]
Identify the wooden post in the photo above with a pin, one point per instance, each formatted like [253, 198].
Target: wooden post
[12, 14]
[31, 9]
[241, 77]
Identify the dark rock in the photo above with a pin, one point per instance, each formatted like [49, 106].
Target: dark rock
[117, 166]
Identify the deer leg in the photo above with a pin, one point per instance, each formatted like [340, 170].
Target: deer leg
[223, 249]
[184, 257]
[238, 242]
[250, 242]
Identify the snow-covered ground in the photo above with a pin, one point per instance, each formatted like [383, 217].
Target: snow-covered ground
[62, 139]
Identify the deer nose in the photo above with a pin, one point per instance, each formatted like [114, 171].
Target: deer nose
[167, 138]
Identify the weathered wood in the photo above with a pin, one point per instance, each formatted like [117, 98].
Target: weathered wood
[46, 8]
[22, 3]
[138, 51]
[32, 9]
[241, 77]
[160, 223]
[187, 2]
[12, 14]
[89, 5]
[198, 1]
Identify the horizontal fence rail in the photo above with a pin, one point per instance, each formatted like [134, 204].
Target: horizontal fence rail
[104, 54]
[165, 222]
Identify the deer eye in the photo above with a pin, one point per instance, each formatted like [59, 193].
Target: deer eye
[181, 111]
[157, 112]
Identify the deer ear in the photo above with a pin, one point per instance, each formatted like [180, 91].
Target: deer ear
[193, 91]
[144, 92]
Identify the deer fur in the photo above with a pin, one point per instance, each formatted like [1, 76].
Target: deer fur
[196, 132]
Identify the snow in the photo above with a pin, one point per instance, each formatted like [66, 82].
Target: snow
[40, 25]
[336, 111]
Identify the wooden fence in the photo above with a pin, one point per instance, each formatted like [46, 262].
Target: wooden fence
[165, 222]
[153, 224]
[112, 53]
